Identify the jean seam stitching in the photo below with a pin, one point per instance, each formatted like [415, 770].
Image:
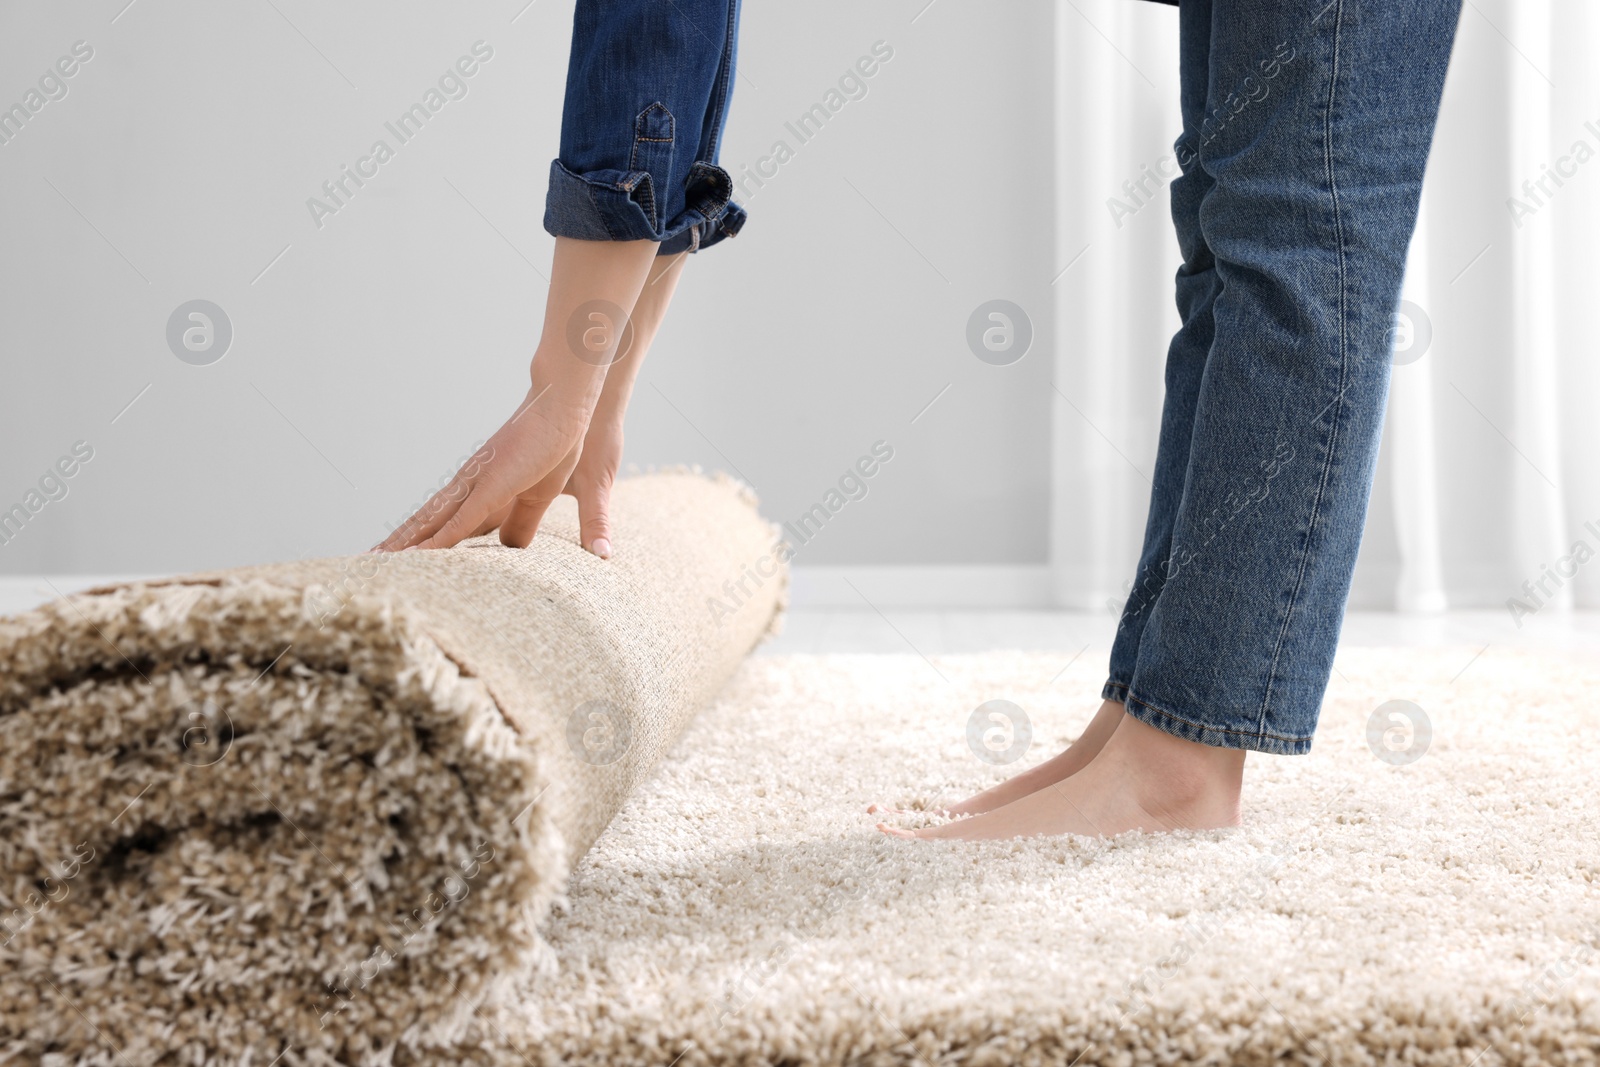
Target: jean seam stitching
[633, 156]
[725, 76]
[1258, 734]
[656, 209]
[1333, 435]
[700, 166]
[599, 212]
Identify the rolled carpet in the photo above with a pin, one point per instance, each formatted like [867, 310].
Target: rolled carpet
[319, 810]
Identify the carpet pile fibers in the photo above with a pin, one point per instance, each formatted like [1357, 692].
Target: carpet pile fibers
[316, 812]
[1373, 909]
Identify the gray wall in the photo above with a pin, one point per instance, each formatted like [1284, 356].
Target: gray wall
[368, 355]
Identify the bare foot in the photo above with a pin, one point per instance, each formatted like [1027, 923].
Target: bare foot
[1057, 768]
[1142, 779]
[1062, 765]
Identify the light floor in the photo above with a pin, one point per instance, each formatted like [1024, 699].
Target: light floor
[934, 633]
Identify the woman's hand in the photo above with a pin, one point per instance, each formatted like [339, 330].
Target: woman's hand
[601, 456]
[566, 435]
[508, 483]
[592, 478]
[523, 467]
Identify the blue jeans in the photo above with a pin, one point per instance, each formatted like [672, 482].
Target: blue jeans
[1306, 132]
[647, 93]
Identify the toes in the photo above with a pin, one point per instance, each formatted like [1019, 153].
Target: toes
[895, 831]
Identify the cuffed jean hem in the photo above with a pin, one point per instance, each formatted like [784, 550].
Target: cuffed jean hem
[616, 205]
[1189, 730]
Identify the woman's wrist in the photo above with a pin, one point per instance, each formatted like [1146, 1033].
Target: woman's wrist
[564, 389]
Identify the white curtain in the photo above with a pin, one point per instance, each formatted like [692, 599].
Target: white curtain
[1489, 483]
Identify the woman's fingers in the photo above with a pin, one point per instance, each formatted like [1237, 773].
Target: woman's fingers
[493, 522]
[596, 472]
[523, 522]
[527, 511]
[478, 506]
[594, 521]
[429, 517]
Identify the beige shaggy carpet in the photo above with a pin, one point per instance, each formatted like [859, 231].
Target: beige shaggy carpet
[313, 815]
[1423, 888]
[315, 812]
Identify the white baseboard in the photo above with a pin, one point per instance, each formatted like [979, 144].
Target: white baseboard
[923, 587]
